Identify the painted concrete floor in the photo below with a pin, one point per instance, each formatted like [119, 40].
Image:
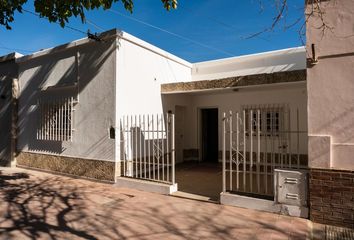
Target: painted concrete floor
[37, 205]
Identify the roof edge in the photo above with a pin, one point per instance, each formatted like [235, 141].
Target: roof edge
[255, 55]
[150, 47]
[104, 35]
[10, 56]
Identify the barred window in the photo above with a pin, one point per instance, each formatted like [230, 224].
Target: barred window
[56, 119]
[270, 119]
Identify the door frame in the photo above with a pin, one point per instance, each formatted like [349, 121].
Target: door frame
[176, 133]
[199, 129]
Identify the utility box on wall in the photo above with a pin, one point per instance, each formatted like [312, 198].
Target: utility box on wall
[291, 190]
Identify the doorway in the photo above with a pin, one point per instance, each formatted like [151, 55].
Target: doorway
[202, 180]
[209, 135]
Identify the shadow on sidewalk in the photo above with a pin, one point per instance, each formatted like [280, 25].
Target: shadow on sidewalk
[30, 204]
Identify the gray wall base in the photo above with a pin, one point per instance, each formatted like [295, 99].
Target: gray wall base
[262, 205]
[147, 186]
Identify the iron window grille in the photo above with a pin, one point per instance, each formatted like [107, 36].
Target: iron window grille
[56, 119]
[271, 119]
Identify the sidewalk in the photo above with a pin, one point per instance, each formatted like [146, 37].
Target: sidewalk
[37, 205]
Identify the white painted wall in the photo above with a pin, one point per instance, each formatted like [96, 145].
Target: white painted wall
[267, 62]
[294, 95]
[141, 69]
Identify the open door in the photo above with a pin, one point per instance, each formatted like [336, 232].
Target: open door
[210, 135]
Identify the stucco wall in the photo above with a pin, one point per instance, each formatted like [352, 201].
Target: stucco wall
[141, 69]
[331, 87]
[92, 67]
[8, 71]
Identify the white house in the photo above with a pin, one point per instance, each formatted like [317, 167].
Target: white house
[123, 110]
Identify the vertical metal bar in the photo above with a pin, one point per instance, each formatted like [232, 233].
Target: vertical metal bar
[43, 120]
[163, 146]
[128, 145]
[50, 108]
[144, 141]
[136, 146]
[158, 126]
[71, 118]
[272, 145]
[39, 133]
[168, 147]
[68, 127]
[230, 149]
[131, 147]
[298, 137]
[224, 154]
[53, 120]
[64, 119]
[244, 150]
[123, 143]
[251, 150]
[61, 117]
[68, 120]
[153, 146]
[258, 151]
[56, 120]
[47, 122]
[149, 140]
[173, 149]
[50, 121]
[39, 120]
[61, 120]
[237, 151]
[265, 133]
[289, 138]
[140, 158]
[280, 129]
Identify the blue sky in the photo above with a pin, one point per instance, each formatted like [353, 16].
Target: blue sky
[218, 26]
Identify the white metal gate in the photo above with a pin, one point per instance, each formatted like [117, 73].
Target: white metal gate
[148, 147]
[255, 142]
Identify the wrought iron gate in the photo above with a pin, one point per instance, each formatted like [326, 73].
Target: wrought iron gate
[255, 142]
[147, 147]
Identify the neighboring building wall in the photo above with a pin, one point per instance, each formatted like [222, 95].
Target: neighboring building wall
[330, 114]
[141, 69]
[84, 70]
[8, 72]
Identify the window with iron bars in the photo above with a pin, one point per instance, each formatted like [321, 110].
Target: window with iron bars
[271, 119]
[56, 119]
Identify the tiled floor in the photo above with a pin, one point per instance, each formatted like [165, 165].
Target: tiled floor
[36, 205]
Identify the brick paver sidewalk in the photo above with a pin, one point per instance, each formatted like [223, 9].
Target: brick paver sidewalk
[37, 205]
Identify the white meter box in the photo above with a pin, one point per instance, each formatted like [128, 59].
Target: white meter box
[291, 187]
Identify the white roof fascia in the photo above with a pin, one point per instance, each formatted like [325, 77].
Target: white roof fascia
[137, 41]
[267, 62]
